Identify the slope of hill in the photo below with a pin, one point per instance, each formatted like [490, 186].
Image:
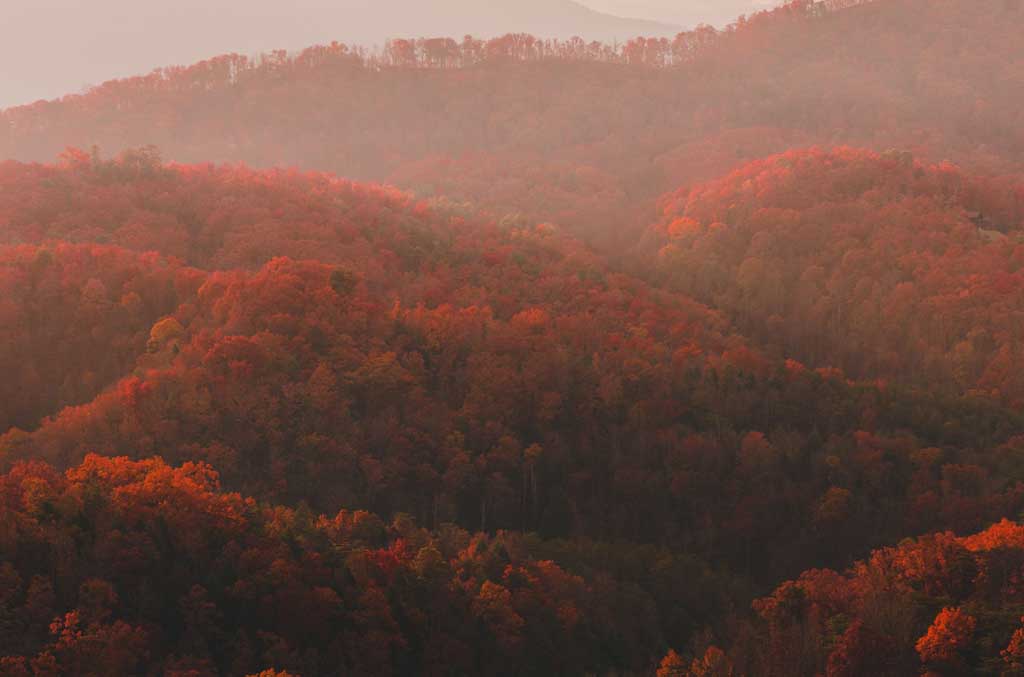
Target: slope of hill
[137, 568]
[939, 605]
[73, 320]
[89, 44]
[877, 264]
[514, 113]
[215, 217]
[445, 368]
[498, 377]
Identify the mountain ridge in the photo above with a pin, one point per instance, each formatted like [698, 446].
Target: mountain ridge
[90, 47]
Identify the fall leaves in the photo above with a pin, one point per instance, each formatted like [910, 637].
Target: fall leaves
[868, 262]
[938, 605]
[128, 567]
[438, 368]
[298, 425]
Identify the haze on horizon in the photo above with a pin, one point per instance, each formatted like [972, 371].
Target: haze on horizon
[686, 13]
[60, 47]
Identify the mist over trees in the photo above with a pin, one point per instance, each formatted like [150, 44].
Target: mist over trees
[90, 43]
[524, 355]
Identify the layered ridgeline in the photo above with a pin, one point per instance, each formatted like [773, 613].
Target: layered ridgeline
[582, 134]
[878, 264]
[92, 43]
[437, 365]
[527, 461]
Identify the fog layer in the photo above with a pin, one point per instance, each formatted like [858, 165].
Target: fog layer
[56, 47]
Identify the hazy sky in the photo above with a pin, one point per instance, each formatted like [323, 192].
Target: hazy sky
[54, 47]
[684, 12]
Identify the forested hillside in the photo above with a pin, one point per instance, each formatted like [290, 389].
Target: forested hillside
[438, 365]
[127, 568]
[940, 605]
[111, 296]
[88, 43]
[582, 133]
[883, 266]
[636, 334]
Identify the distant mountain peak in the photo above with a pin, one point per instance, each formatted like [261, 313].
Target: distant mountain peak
[107, 39]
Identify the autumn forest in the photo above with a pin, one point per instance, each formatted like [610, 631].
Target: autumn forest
[691, 357]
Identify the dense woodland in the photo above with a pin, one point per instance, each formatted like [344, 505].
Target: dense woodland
[120, 568]
[637, 338]
[938, 605]
[580, 133]
[876, 264]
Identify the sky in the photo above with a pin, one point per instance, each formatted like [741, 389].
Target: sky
[683, 12]
[55, 47]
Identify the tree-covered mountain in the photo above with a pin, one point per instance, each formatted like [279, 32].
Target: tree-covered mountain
[90, 43]
[584, 135]
[645, 331]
